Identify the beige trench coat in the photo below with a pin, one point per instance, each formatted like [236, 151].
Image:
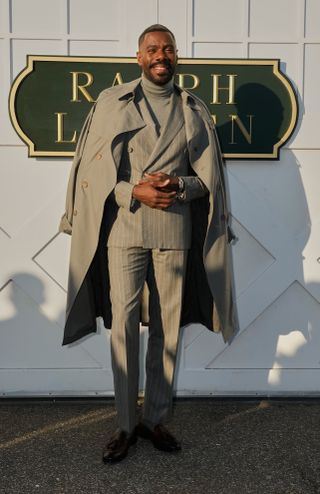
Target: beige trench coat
[209, 288]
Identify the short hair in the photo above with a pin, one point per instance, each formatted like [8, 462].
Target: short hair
[151, 29]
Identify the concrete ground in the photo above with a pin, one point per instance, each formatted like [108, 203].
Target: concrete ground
[228, 447]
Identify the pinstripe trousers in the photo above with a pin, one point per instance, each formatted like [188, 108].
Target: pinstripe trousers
[164, 272]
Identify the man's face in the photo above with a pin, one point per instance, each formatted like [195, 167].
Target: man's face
[157, 56]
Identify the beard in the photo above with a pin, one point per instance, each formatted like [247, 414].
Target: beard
[160, 72]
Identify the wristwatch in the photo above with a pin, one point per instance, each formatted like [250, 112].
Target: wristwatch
[181, 194]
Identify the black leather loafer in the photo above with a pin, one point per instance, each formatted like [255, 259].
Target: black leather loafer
[118, 446]
[160, 437]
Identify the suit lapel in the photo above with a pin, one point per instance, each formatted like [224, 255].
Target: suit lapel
[129, 119]
[151, 136]
[170, 129]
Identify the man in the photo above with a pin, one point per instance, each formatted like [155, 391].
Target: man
[147, 165]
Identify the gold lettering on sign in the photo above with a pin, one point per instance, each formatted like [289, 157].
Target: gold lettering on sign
[77, 87]
[194, 84]
[214, 118]
[216, 88]
[247, 134]
[117, 79]
[60, 130]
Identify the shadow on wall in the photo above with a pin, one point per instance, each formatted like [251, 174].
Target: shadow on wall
[26, 332]
[285, 334]
[297, 340]
[28, 338]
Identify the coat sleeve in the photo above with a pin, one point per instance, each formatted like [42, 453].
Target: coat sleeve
[66, 220]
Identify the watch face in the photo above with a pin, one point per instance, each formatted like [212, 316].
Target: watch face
[181, 196]
[181, 184]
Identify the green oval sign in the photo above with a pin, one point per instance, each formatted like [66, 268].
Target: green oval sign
[252, 102]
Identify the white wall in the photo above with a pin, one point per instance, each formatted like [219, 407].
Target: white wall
[275, 205]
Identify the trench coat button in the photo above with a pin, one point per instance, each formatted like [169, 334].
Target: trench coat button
[195, 149]
[75, 212]
[99, 156]
[130, 149]
[84, 184]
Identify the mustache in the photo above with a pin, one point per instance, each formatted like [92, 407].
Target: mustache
[165, 62]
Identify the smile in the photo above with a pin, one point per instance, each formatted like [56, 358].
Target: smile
[161, 69]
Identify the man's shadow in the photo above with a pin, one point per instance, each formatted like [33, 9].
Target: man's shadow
[29, 339]
[283, 334]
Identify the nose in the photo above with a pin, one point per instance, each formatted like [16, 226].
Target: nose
[161, 55]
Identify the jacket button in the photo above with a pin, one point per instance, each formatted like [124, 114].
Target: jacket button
[75, 212]
[99, 156]
[195, 149]
[84, 184]
[223, 217]
[130, 149]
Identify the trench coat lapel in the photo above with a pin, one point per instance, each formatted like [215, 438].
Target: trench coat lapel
[199, 141]
[192, 118]
[128, 121]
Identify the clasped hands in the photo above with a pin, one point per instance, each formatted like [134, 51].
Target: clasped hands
[156, 190]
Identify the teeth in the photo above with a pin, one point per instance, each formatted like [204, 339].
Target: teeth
[160, 68]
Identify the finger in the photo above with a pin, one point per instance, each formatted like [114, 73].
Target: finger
[166, 195]
[165, 203]
[152, 183]
[166, 206]
[164, 183]
[156, 180]
[154, 174]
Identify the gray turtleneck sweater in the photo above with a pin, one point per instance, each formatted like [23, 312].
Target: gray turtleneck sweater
[158, 100]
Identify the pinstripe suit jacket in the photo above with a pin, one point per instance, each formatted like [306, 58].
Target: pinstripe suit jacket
[140, 225]
[208, 293]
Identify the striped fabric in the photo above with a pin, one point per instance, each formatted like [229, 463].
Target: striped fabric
[148, 245]
[144, 151]
[164, 272]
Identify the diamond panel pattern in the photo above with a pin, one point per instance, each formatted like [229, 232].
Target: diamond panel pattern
[275, 207]
[285, 335]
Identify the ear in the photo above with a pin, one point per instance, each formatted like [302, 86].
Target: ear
[139, 57]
